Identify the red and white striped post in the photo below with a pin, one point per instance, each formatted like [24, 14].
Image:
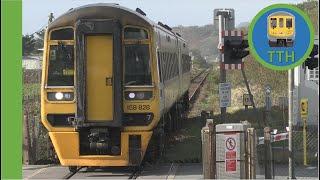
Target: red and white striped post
[223, 34]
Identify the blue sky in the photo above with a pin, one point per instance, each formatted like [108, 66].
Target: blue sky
[171, 12]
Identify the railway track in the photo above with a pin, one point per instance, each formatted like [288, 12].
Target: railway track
[159, 171]
[70, 174]
[172, 171]
[108, 173]
[197, 83]
[85, 172]
[136, 173]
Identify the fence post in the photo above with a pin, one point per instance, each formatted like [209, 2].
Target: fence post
[252, 153]
[33, 138]
[26, 140]
[208, 150]
[267, 153]
[305, 157]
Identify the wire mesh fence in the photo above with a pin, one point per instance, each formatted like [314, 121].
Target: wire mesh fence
[280, 150]
[37, 145]
[310, 168]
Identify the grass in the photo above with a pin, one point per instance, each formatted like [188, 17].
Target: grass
[186, 145]
[31, 89]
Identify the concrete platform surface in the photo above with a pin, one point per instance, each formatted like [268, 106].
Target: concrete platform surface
[44, 172]
[160, 171]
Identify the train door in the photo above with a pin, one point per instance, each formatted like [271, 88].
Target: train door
[99, 76]
[99, 73]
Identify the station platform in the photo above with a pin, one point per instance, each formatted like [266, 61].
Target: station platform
[160, 171]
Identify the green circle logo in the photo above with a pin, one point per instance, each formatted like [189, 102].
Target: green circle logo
[281, 37]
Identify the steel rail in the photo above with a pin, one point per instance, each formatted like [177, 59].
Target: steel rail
[199, 85]
[70, 174]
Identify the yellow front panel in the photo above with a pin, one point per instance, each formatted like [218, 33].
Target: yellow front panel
[281, 31]
[99, 71]
[66, 145]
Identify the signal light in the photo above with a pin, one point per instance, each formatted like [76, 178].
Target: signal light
[312, 61]
[240, 54]
[314, 50]
[238, 49]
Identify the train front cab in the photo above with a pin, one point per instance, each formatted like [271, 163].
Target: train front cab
[281, 29]
[98, 114]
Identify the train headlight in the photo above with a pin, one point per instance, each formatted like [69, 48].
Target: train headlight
[67, 96]
[138, 95]
[132, 95]
[60, 96]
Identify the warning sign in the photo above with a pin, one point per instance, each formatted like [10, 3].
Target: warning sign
[230, 153]
[231, 166]
[247, 100]
[230, 143]
[225, 94]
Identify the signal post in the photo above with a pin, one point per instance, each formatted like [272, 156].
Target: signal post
[223, 16]
[231, 46]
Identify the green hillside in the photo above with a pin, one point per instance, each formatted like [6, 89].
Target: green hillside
[205, 38]
[311, 8]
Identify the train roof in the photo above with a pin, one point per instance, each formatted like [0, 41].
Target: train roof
[281, 13]
[106, 11]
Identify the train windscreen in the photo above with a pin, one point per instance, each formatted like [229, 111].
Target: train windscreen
[61, 65]
[281, 22]
[289, 22]
[273, 22]
[137, 64]
[135, 33]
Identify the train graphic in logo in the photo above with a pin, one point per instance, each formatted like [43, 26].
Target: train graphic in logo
[281, 29]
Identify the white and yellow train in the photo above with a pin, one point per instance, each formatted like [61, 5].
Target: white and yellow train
[281, 29]
[112, 81]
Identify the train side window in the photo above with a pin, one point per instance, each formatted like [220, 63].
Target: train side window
[174, 65]
[61, 65]
[177, 64]
[62, 34]
[281, 22]
[186, 63]
[159, 66]
[289, 22]
[166, 65]
[163, 71]
[137, 64]
[273, 22]
[166, 57]
[168, 38]
[163, 63]
[183, 63]
[171, 66]
[163, 67]
[135, 33]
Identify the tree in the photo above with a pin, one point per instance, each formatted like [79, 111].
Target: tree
[196, 53]
[40, 33]
[28, 44]
[39, 39]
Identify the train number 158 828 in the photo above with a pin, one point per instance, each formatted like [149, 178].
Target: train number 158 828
[134, 107]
